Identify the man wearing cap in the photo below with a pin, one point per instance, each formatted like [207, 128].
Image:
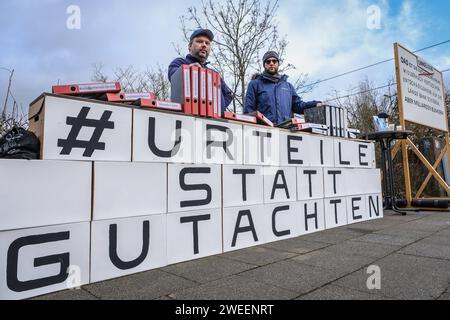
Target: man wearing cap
[271, 94]
[199, 50]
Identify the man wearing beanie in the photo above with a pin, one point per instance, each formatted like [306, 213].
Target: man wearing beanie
[271, 94]
[199, 49]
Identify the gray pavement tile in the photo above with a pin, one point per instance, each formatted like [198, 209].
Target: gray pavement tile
[395, 240]
[404, 277]
[78, 294]
[146, 285]
[432, 247]
[445, 232]
[373, 225]
[402, 232]
[340, 262]
[333, 236]
[333, 292]
[296, 245]
[426, 225]
[208, 269]
[366, 249]
[445, 296]
[258, 255]
[234, 288]
[293, 276]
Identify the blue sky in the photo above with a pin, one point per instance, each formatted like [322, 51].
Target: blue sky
[325, 38]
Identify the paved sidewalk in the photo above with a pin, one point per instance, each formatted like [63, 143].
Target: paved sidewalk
[413, 253]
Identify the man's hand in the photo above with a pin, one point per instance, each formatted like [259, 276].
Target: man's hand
[320, 104]
[196, 64]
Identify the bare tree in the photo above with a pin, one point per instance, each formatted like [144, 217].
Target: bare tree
[242, 29]
[132, 80]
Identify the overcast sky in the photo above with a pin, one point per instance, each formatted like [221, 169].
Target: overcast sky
[325, 38]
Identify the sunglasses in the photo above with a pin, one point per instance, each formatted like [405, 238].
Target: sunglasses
[274, 61]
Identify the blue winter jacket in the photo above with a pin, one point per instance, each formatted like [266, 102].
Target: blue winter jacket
[226, 95]
[277, 100]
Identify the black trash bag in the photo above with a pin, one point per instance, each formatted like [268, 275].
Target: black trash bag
[19, 143]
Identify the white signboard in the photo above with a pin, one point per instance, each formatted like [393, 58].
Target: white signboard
[163, 137]
[43, 192]
[310, 183]
[261, 146]
[37, 261]
[305, 150]
[129, 189]
[353, 154]
[194, 187]
[311, 216]
[280, 184]
[125, 246]
[218, 142]
[192, 235]
[422, 90]
[241, 186]
[244, 227]
[335, 212]
[80, 130]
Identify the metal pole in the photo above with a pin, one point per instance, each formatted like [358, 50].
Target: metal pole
[7, 93]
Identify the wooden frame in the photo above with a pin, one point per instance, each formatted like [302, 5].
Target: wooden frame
[405, 143]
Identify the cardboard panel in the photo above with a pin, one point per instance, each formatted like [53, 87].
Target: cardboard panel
[218, 142]
[42, 193]
[280, 221]
[304, 150]
[137, 244]
[129, 189]
[280, 184]
[242, 186]
[335, 212]
[194, 187]
[374, 205]
[38, 261]
[310, 183]
[310, 216]
[192, 235]
[82, 130]
[362, 181]
[244, 227]
[261, 146]
[335, 183]
[353, 154]
[357, 209]
[163, 137]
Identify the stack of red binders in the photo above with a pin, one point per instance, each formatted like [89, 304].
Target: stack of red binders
[198, 90]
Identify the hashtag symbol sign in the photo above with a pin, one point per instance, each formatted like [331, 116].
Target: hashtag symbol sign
[82, 121]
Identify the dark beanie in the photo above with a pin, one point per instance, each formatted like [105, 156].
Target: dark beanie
[270, 54]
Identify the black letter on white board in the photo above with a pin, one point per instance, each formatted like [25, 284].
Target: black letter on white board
[244, 173]
[276, 185]
[194, 187]
[262, 135]
[113, 256]
[345, 163]
[152, 143]
[335, 202]
[63, 259]
[311, 216]
[274, 228]
[361, 155]
[372, 205]
[334, 173]
[195, 220]
[224, 144]
[321, 152]
[310, 173]
[355, 208]
[238, 229]
[290, 149]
